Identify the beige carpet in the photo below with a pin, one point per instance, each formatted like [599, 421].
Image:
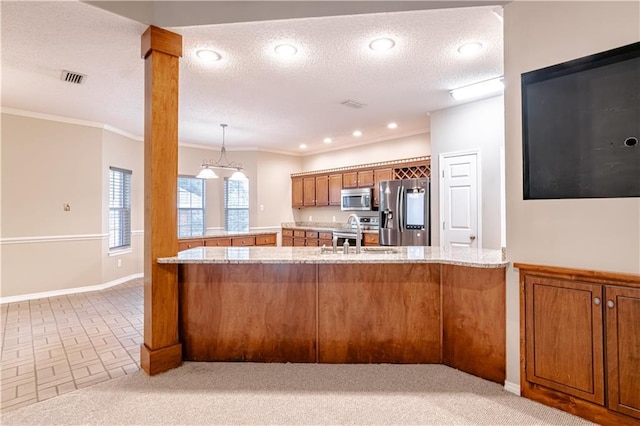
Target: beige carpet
[278, 394]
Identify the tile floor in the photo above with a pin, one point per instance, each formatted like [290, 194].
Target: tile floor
[55, 345]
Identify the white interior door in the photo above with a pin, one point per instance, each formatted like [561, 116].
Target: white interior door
[459, 200]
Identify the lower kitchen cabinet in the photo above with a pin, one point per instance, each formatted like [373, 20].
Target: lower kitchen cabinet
[581, 342]
[238, 240]
[191, 243]
[301, 237]
[371, 239]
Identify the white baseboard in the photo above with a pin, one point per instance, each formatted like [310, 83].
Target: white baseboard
[512, 387]
[53, 293]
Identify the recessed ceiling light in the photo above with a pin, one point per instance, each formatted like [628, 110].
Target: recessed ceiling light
[286, 50]
[303, 146]
[327, 140]
[357, 133]
[208, 55]
[470, 49]
[382, 44]
[392, 126]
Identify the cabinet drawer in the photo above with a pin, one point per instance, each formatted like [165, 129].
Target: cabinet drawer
[371, 239]
[243, 241]
[298, 233]
[325, 235]
[218, 242]
[287, 232]
[298, 242]
[187, 244]
[312, 242]
[311, 234]
[325, 242]
[266, 240]
[287, 241]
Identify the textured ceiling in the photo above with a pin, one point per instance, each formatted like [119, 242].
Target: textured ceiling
[268, 103]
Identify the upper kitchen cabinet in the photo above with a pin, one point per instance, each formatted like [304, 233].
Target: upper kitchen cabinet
[296, 192]
[309, 191]
[361, 179]
[378, 176]
[322, 187]
[322, 190]
[335, 186]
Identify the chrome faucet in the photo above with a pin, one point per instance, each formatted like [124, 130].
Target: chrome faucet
[358, 230]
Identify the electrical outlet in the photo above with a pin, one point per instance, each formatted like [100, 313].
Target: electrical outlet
[261, 207]
[119, 263]
[66, 207]
[310, 218]
[333, 218]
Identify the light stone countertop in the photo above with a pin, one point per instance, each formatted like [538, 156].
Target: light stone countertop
[481, 258]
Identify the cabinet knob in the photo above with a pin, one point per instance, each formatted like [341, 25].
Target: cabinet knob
[596, 301]
[610, 304]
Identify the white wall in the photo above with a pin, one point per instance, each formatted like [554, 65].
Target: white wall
[391, 149]
[48, 162]
[474, 126]
[595, 234]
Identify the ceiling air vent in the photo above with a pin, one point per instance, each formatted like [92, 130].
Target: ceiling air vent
[352, 104]
[72, 77]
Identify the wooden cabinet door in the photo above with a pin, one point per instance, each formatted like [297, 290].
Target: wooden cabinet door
[350, 180]
[564, 332]
[365, 179]
[378, 176]
[335, 186]
[623, 349]
[309, 191]
[322, 190]
[296, 192]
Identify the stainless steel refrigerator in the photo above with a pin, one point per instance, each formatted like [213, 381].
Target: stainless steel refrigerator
[404, 212]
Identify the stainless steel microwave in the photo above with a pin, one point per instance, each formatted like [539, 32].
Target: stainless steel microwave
[356, 199]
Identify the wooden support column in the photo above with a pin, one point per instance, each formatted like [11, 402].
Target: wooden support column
[161, 51]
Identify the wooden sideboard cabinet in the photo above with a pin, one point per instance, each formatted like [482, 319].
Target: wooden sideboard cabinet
[580, 342]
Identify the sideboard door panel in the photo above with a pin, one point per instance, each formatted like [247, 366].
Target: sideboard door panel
[564, 335]
[623, 349]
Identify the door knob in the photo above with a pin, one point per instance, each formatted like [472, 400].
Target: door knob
[596, 301]
[610, 304]
[472, 237]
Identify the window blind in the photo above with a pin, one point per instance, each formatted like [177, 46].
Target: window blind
[119, 208]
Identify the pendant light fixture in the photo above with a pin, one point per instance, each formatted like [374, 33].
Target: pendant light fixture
[207, 171]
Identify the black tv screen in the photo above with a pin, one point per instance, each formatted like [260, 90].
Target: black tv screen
[581, 127]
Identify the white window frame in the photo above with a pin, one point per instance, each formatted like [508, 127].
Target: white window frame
[242, 206]
[119, 209]
[192, 232]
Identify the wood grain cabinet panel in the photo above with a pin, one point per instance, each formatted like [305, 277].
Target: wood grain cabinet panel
[218, 242]
[580, 341]
[365, 179]
[287, 242]
[322, 191]
[260, 313]
[187, 244]
[287, 232]
[564, 336]
[350, 180]
[309, 191]
[378, 176]
[367, 315]
[297, 190]
[623, 349]
[243, 241]
[473, 321]
[371, 239]
[335, 186]
[266, 240]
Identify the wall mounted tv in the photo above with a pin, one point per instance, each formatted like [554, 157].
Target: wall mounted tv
[581, 127]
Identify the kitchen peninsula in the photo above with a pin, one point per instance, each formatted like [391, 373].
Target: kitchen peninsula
[308, 304]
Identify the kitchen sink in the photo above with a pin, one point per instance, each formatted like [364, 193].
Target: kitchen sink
[363, 250]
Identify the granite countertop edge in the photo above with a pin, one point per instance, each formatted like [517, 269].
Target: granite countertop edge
[480, 258]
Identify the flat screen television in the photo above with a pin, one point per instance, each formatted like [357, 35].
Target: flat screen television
[581, 126]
